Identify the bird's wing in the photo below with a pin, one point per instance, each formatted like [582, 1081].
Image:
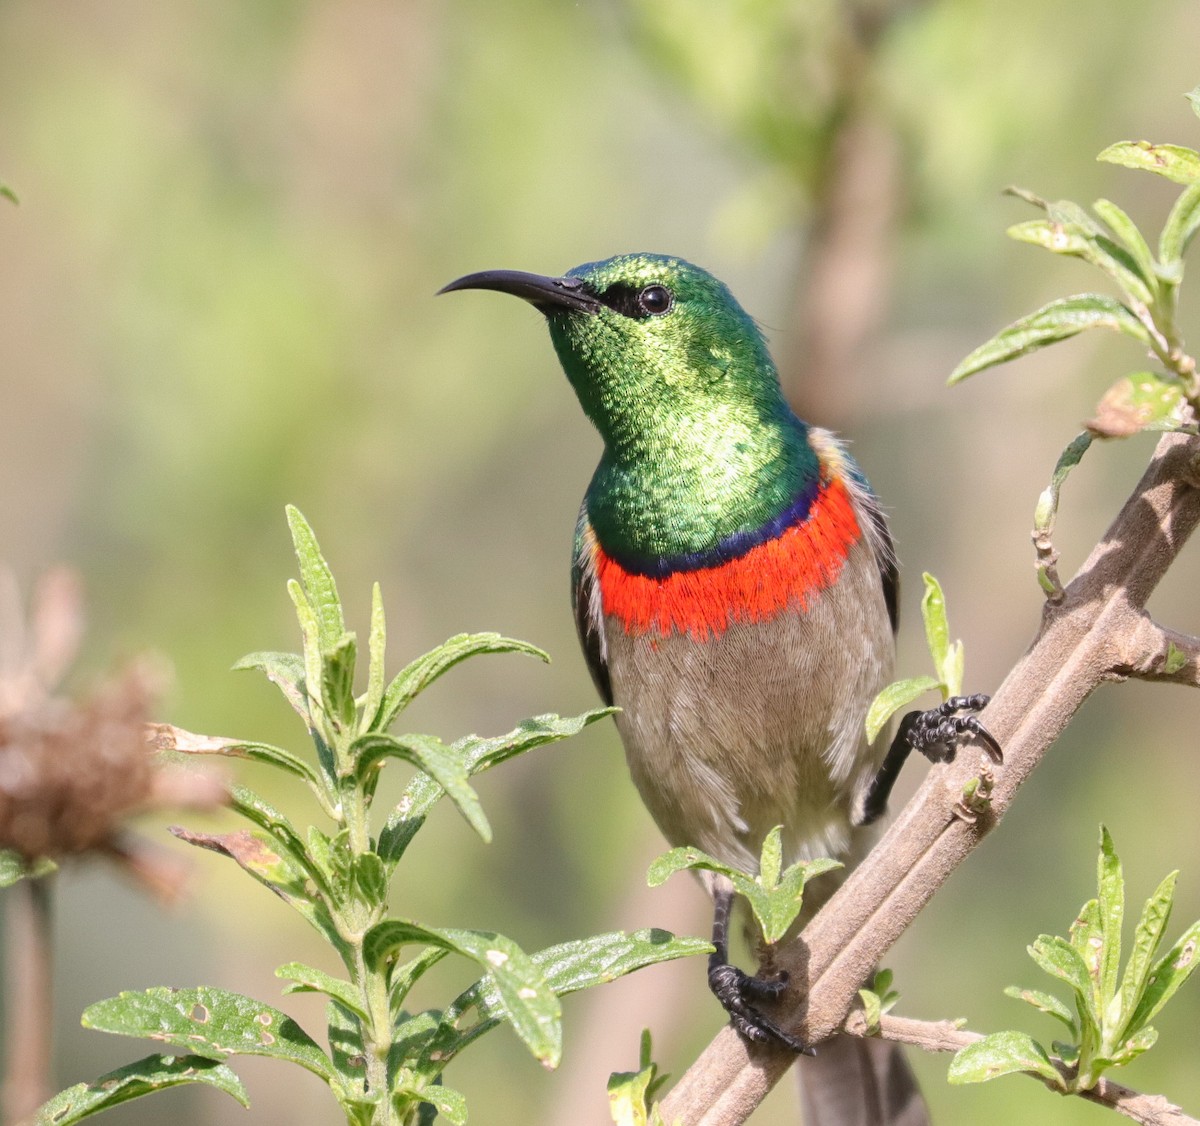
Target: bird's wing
[885, 558]
[585, 601]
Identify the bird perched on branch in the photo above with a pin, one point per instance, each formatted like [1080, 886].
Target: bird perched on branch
[734, 588]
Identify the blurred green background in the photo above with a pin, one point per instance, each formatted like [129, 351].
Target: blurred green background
[216, 297]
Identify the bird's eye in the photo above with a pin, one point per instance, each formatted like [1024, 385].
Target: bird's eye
[656, 300]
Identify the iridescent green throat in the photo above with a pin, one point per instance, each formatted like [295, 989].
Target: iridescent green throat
[699, 443]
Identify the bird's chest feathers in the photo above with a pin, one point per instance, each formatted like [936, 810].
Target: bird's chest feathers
[749, 577]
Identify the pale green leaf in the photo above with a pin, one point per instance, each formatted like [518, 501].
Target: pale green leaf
[1061, 960]
[937, 628]
[893, 698]
[1082, 238]
[1168, 974]
[1002, 1053]
[1047, 508]
[1056, 321]
[154, 1073]
[318, 581]
[377, 650]
[1110, 883]
[1176, 163]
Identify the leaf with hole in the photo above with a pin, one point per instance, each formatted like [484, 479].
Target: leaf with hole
[144, 1077]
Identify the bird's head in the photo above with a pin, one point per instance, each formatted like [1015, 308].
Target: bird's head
[648, 342]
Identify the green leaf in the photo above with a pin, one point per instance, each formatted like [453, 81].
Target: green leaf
[450, 1104]
[8, 194]
[1175, 659]
[210, 1022]
[444, 764]
[310, 631]
[1147, 937]
[1131, 238]
[421, 673]
[1176, 163]
[479, 754]
[1082, 238]
[631, 1093]
[1144, 400]
[1047, 507]
[937, 628]
[567, 968]
[1110, 883]
[771, 862]
[14, 867]
[286, 670]
[1142, 1041]
[1051, 323]
[893, 698]
[377, 648]
[344, 1033]
[1061, 960]
[1046, 1003]
[154, 1073]
[268, 860]
[1180, 227]
[1002, 1053]
[404, 977]
[369, 880]
[1168, 974]
[337, 680]
[167, 737]
[775, 907]
[318, 581]
[1193, 97]
[528, 1003]
[308, 979]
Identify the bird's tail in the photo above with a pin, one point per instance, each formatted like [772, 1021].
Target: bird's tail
[856, 1081]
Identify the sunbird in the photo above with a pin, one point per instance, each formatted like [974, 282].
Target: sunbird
[735, 592]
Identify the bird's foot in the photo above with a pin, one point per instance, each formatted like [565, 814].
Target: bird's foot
[934, 733]
[738, 993]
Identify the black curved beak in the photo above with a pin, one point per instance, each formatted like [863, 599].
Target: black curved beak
[545, 294]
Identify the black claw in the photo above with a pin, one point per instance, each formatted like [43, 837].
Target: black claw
[935, 732]
[736, 990]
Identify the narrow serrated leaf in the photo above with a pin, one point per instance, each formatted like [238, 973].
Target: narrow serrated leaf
[1176, 163]
[1110, 883]
[449, 1103]
[1078, 236]
[210, 1022]
[1129, 235]
[377, 651]
[771, 861]
[1061, 960]
[1168, 974]
[1002, 1053]
[308, 979]
[310, 632]
[337, 680]
[529, 1004]
[144, 1077]
[344, 1034]
[286, 670]
[419, 674]
[892, 699]
[444, 764]
[937, 628]
[1055, 321]
[1046, 1003]
[478, 754]
[318, 580]
[1147, 936]
[165, 736]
